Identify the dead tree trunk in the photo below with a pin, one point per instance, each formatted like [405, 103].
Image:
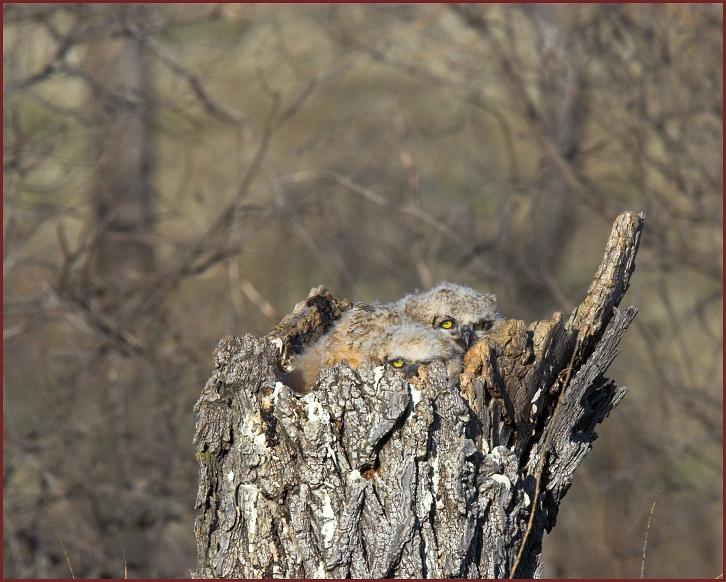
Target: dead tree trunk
[370, 476]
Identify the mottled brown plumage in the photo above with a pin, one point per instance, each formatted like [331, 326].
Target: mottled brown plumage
[402, 346]
[369, 333]
[345, 342]
[407, 346]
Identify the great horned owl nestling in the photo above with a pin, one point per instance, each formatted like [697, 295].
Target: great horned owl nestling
[453, 311]
[346, 341]
[463, 312]
[364, 338]
[406, 347]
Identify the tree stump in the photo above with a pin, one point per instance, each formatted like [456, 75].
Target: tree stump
[371, 476]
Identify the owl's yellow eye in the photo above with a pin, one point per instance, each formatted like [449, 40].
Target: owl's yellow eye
[447, 324]
[397, 363]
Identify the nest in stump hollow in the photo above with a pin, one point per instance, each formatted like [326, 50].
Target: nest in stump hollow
[370, 475]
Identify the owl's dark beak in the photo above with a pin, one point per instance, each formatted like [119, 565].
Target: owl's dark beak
[467, 336]
[410, 370]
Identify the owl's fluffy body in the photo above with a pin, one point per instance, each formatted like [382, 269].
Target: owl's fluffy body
[345, 342]
[413, 344]
[351, 336]
[408, 329]
[408, 343]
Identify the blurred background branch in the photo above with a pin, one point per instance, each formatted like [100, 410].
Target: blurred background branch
[175, 173]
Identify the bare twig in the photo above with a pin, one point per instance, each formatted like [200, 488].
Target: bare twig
[68, 560]
[645, 538]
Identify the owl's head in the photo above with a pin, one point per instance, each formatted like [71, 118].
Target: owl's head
[462, 312]
[406, 347]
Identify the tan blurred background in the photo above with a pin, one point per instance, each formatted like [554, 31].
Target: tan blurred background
[175, 173]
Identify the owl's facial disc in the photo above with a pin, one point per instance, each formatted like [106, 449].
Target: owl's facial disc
[409, 369]
[462, 334]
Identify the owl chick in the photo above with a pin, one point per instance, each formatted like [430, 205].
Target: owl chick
[406, 347]
[346, 341]
[462, 312]
[365, 335]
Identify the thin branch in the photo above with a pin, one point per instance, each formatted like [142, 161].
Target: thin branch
[211, 105]
[68, 560]
[645, 539]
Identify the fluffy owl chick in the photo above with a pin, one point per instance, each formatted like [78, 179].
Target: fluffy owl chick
[368, 338]
[462, 312]
[347, 341]
[406, 347]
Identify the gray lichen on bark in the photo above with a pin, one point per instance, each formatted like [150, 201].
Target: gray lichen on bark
[370, 475]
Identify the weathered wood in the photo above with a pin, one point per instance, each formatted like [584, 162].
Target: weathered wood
[309, 320]
[371, 476]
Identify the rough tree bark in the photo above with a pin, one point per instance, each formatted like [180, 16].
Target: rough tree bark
[371, 476]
